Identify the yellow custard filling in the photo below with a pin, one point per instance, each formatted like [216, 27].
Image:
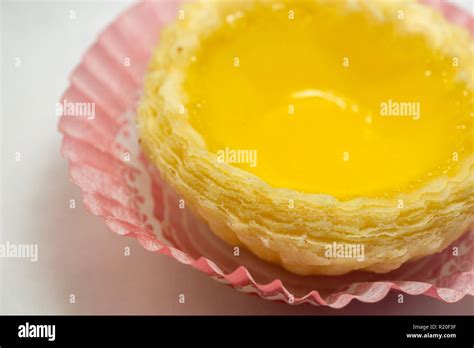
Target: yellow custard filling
[346, 106]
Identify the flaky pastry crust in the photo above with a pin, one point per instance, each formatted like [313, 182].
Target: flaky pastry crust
[243, 210]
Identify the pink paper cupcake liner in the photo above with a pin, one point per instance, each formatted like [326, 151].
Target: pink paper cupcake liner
[118, 183]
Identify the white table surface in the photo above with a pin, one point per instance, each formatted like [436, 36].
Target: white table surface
[77, 253]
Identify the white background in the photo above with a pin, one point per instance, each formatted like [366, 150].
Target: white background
[77, 253]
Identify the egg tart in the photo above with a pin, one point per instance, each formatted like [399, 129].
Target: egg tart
[324, 136]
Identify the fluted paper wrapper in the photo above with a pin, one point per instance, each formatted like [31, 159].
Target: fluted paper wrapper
[119, 185]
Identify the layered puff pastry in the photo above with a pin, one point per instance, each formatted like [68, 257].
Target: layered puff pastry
[324, 136]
